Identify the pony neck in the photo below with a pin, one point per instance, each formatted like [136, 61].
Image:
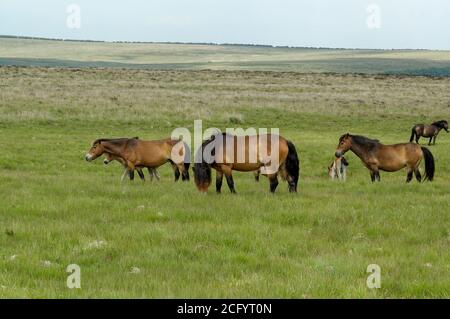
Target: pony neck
[113, 148]
[358, 149]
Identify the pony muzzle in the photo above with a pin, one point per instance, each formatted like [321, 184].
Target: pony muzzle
[338, 154]
[88, 157]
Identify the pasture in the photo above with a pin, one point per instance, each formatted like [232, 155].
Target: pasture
[163, 239]
[192, 56]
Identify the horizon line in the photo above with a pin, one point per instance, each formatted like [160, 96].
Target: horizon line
[6, 36]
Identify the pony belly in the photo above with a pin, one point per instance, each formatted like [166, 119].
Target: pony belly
[150, 162]
[392, 168]
[246, 167]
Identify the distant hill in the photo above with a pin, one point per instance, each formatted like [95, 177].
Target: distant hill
[28, 51]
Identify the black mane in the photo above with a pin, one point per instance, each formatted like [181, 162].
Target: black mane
[365, 142]
[440, 123]
[116, 141]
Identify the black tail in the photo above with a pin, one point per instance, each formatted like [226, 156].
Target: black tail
[413, 133]
[292, 167]
[429, 164]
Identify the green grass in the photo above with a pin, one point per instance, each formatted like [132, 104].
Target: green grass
[34, 52]
[54, 206]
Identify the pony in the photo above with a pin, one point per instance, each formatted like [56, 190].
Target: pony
[152, 171]
[136, 153]
[430, 131]
[388, 158]
[338, 169]
[229, 153]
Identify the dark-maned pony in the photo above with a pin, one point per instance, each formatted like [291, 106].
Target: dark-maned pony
[139, 153]
[272, 154]
[430, 131]
[389, 158]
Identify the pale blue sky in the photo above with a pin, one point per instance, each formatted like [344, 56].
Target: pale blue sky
[315, 23]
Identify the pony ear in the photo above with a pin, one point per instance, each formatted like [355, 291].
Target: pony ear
[347, 135]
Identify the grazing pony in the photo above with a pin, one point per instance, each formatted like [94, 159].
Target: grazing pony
[430, 131]
[338, 169]
[271, 153]
[136, 153]
[152, 171]
[388, 158]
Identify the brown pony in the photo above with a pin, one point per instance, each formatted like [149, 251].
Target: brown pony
[226, 153]
[430, 131]
[152, 171]
[388, 158]
[137, 153]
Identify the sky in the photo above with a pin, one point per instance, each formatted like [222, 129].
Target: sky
[383, 24]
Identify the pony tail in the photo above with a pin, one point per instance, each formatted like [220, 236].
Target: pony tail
[413, 132]
[429, 164]
[292, 167]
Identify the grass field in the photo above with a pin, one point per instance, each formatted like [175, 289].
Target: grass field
[51, 53]
[56, 209]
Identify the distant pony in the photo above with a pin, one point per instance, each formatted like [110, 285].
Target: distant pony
[430, 131]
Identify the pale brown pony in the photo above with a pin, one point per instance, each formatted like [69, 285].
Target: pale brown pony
[388, 158]
[246, 154]
[430, 131]
[139, 153]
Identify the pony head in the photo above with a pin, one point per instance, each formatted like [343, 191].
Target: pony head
[96, 150]
[202, 176]
[345, 143]
[444, 124]
[202, 168]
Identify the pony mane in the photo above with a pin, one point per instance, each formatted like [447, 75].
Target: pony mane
[117, 141]
[366, 142]
[440, 123]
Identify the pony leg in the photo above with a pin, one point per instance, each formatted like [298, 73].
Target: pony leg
[434, 140]
[230, 183]
[257, 173]
[273, 178]
[339, 171]
[417, 173]
[131, 174]
[184, 172]
[227, 171]
[409, 175]
[150, 171]
[176, 171]
[372, 176]
[431, 138]
[125, 171]
[417, 139]
[219, 178]
[374, 172]
[154, 173]
[130, 168]
[141, 174]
